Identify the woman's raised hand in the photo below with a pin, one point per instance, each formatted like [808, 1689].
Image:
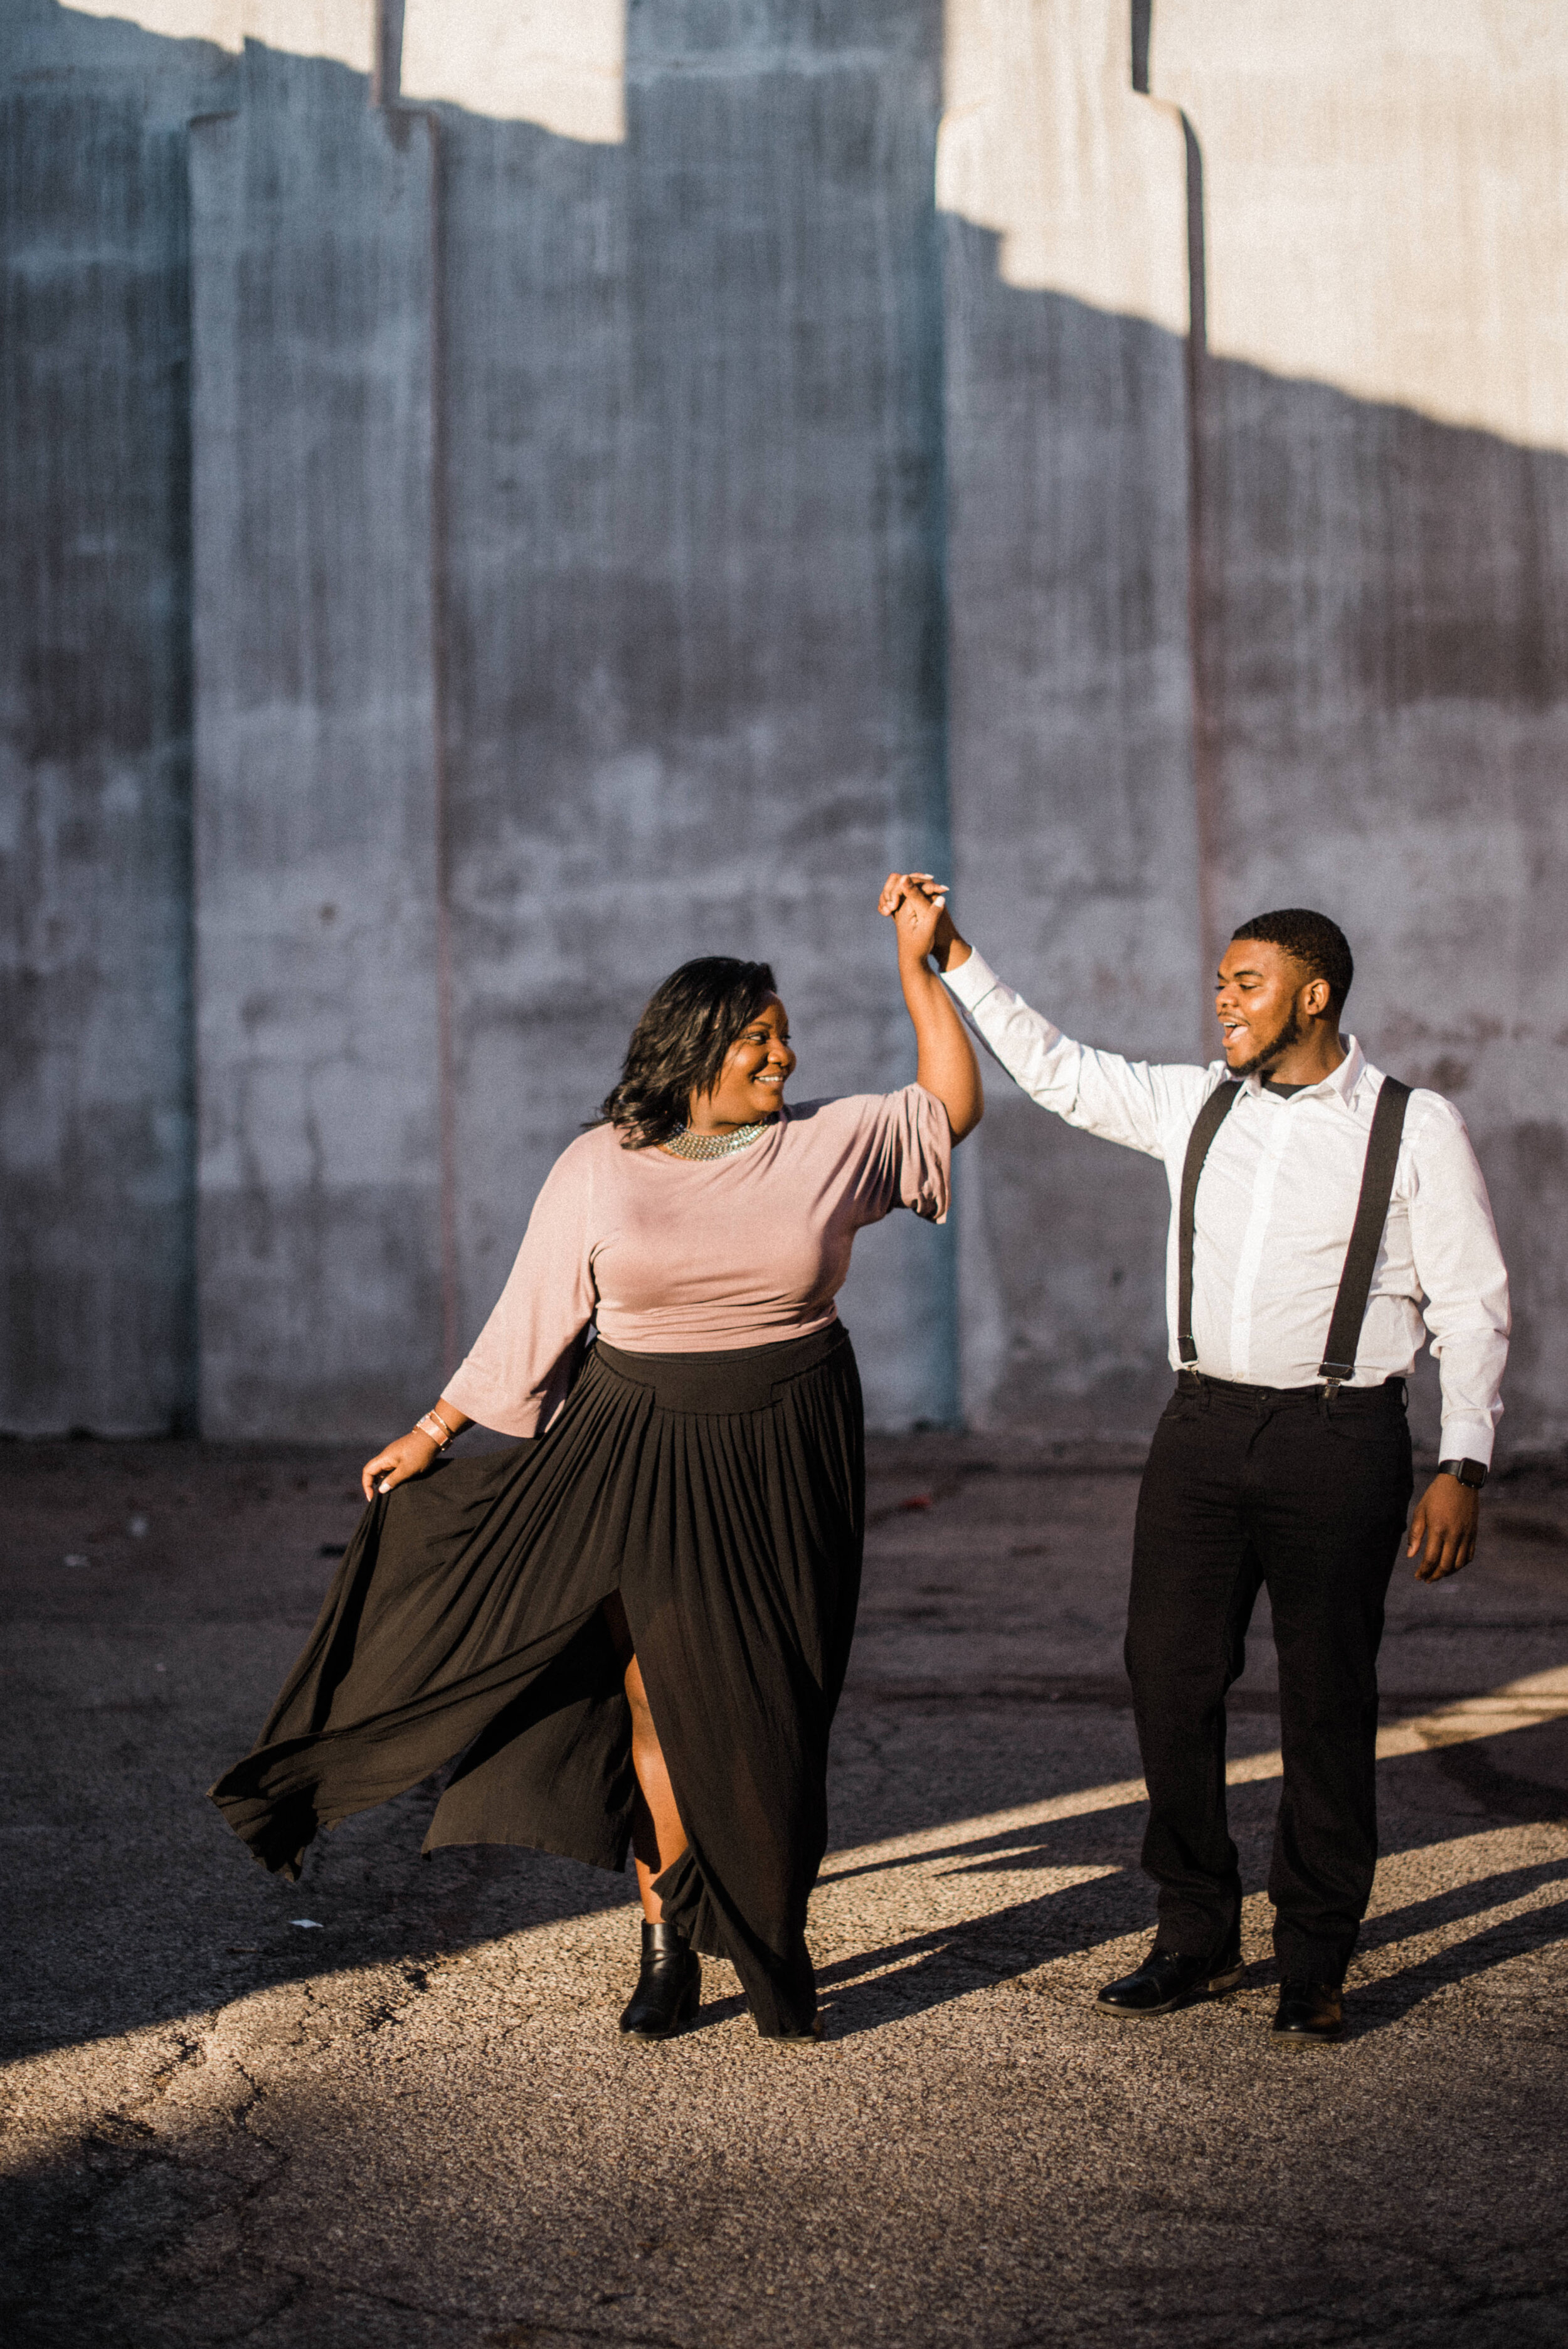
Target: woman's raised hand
[917, 902]
[899, 885]
[408, 1455]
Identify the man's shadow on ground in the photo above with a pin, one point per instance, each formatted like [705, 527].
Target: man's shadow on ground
[1520, 1778]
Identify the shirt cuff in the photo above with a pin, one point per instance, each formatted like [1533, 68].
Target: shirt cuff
[973, 980]
[1467, 1438]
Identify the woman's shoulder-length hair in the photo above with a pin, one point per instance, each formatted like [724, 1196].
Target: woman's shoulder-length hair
[678, 1045]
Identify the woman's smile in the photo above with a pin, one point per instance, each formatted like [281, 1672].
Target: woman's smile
[756, 1068]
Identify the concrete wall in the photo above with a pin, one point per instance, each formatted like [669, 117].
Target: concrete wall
[1382, 549]
[1362, 575]
[567, 564]
[630, 514]
[95, 728]
[1073, 809]
[319, 1054]
[694, 678]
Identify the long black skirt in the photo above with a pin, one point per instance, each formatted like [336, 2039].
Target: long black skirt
[722, 1495]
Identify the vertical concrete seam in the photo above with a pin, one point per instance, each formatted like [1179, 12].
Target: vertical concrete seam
[386, 54]
[939, 823]
[1142, 36]
[185, 1419]
[1204, 779]
[195, 126]
[445, 1073]
[386, 92]
[1205, 788]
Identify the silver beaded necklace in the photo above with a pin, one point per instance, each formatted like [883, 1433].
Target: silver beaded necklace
[688, 1145]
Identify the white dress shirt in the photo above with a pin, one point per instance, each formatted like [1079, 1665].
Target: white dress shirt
[1275, 1208]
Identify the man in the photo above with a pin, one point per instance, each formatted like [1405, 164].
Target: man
[1307, 1224]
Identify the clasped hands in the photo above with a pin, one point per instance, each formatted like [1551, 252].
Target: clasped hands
[917, 902]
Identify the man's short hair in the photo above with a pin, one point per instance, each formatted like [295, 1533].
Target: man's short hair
[1319, 945]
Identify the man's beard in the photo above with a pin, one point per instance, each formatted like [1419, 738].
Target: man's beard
[1274, 1050]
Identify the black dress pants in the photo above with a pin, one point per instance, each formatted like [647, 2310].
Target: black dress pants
[1247, 1488]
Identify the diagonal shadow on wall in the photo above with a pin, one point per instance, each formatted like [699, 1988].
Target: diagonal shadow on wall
[1373, 669]
[648, 645]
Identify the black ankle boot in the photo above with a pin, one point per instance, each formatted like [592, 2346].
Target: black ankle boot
[668, 1987]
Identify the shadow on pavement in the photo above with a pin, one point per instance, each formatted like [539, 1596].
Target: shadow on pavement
[1392, 1998]
[376, 1902]
[1518, 1778]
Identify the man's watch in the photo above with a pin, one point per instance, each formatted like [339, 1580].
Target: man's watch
[1468, 1472]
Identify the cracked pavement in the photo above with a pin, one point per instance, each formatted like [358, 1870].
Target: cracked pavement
[411, 2119]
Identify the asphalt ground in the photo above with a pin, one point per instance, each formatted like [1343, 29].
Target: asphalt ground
[411, 2121]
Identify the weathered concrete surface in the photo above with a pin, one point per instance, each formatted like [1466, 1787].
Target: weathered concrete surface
[1071, 706]
[1073, 816]
[317, 911]
[342, 30]
[521, 61]
[746, 501]
[418, 2125]
[1372, 662]
[686, 567]
[1384, 206]
[695, 690]
[94, 748]
[1381, 606]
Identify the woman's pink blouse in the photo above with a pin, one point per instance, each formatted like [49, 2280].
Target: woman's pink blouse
[676, 1256]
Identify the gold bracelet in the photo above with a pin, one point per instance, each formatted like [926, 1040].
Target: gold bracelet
[442, 1441]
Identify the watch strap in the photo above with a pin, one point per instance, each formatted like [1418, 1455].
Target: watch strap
[1468, 1472]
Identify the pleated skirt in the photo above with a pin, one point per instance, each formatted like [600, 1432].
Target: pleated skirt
[722, 1495]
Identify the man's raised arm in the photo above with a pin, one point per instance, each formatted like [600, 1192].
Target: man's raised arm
[1130, 1102]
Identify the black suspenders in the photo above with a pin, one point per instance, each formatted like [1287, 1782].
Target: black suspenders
[1366, 1232]
[1205, 1126]
[1371, 1214]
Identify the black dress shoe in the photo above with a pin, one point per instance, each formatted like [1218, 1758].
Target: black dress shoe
[668, 1988]
[1167, 1979]
[1309, 2010]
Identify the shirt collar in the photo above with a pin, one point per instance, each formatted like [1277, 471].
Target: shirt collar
[1341, 1082]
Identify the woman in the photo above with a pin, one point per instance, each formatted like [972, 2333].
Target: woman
[634, 1626]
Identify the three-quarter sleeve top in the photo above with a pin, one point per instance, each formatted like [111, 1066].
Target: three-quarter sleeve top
[683, 1256]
